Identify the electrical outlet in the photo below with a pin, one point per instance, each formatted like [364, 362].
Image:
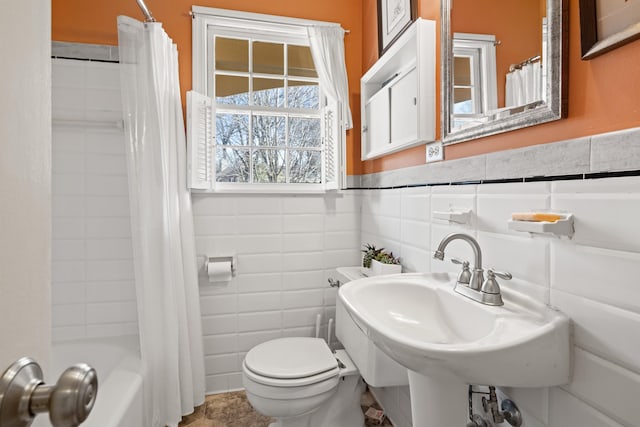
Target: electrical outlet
[435, 152]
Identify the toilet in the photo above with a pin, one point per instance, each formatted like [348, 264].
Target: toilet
[300, 382]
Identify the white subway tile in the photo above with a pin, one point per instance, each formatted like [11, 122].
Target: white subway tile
[628, 185]
[341, 240]
[109, 249]
[263, 263]
[112, 329]
[416, 206]
[103, 75]
[118, 270]
[67, 73]
[220, 344]
[302, 261]
[341, 222]
[260, 224]
[218, 304]
[341, 258]
[603, 220]
[106, 185]
[302, 242]
[209, 205]
[302, 204]
[67, 185]
[108, 228]
[566, 410]
[525, 258]
[259, 205]
[215, 225]
[67, 206]
[599, 274]
[602, 329]
[259, 321]
[303, 223]
[607, 387]
[112, 312]
[264, 301]
[259, 282]
[66, 101]
[67, 162]
[68, 228]
[68, 293]
[68, 315]
[106, 141]
[112, 206]
[301, 317]
[497, 202]
[64, 333]
[218, 325]
[106, 164]
[345, 202]
[67, 250]
[302, 280]
[67, 271]
[248, 340]
[415, 259]
[416, 233]
[221, 364]
[223, 245]
[111, 291]
[301, 299]
[102, 100]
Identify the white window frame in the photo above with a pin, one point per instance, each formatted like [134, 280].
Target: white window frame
[278, 29]
[481, 49]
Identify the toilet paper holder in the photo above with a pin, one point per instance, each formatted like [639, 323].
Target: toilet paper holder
[231, 259]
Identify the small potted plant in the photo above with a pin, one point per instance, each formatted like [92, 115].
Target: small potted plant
[376, 262]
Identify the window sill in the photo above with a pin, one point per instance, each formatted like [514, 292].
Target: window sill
[265, 189]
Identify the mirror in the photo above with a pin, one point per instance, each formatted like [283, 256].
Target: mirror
[503, 65]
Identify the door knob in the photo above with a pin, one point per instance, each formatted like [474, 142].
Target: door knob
[23, 395]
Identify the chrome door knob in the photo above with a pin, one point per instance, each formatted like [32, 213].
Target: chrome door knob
[23, 395]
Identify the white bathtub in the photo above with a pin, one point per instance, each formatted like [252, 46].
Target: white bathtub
[117, 361]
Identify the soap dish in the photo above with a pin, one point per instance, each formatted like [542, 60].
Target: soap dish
[561, 227]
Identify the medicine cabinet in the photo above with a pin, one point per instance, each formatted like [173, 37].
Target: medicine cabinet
[398, 94]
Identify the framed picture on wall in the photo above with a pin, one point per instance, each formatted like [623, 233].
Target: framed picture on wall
[394, 17]
[606, 25]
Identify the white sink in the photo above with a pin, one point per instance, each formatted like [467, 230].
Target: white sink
[444, 338]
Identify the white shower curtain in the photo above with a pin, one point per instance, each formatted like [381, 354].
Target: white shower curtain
[524, 85]
[162, 224]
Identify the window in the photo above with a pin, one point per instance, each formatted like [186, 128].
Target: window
[272, 127]
[474, 79]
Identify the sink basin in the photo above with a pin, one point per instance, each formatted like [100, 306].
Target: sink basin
[419, 321]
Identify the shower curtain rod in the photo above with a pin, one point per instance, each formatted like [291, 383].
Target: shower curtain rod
[518, 66]
[145, 10]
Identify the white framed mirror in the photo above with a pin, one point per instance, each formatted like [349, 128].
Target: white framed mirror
[504, 66]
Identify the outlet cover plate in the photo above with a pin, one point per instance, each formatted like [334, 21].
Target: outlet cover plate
[435, 152]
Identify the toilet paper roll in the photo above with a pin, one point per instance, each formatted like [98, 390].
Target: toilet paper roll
[219, 271]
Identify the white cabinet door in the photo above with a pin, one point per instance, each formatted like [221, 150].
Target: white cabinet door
[404, 108]
[377, 134]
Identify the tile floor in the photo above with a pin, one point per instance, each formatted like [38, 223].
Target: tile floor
[233, 410]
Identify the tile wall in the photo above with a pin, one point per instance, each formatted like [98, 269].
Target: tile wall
[286, 247]
[593, 278]
[92, 271]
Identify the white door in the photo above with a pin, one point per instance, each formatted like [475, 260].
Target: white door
[25, 181]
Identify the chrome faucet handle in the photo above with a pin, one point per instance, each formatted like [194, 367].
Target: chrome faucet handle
[491, 289]
[465, 275]
[501, 274]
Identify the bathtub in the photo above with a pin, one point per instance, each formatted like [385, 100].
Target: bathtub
[117, 361]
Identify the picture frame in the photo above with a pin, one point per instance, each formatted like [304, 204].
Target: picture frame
[394, 17]
[623, 26]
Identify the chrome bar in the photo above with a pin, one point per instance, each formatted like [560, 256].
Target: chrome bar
[145, 10]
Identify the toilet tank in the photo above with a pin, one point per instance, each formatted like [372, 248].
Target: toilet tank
[378, 369]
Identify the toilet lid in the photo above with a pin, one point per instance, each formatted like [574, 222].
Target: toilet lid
[288, 358]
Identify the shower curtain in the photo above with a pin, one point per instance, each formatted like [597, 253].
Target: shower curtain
[161, 224]
[524, 85]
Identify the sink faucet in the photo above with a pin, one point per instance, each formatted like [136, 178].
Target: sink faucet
[474, 287]
[477, 277]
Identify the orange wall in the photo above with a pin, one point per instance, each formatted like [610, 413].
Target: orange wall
[604, 95]
[85, 21]
[518, 28]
